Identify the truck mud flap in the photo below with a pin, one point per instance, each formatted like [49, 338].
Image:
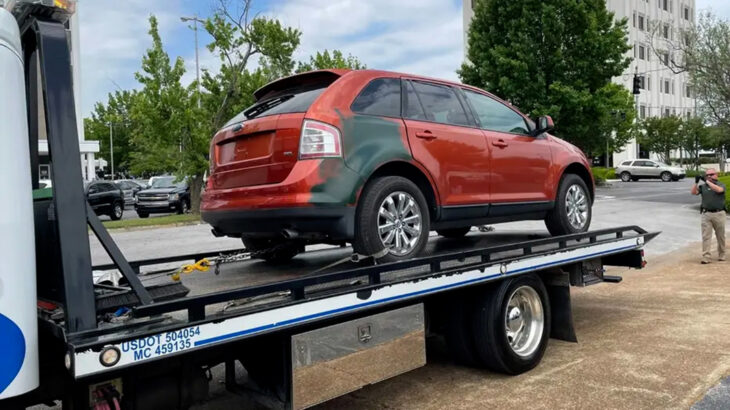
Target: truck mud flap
[558, 287]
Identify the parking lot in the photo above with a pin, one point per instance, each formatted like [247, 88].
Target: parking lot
[656, 340]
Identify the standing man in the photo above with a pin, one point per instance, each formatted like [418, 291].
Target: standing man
[713, 213]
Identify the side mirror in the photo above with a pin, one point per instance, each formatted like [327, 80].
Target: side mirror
[544, 124]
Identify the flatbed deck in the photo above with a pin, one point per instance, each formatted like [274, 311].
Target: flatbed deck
[291, 296]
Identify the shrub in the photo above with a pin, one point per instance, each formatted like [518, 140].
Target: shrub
[601, 174]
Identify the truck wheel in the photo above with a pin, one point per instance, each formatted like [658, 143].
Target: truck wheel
[511, 325]
[142, 214]
[117, 211]
[272, 250]
[392, 214]
[182, 208]
[625, 176]
[666, 176]
[454, 232]
[572, 210]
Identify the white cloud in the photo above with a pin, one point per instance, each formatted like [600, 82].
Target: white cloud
[418, 36]
[112, 42]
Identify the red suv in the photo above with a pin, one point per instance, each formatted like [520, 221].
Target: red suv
[379, 159]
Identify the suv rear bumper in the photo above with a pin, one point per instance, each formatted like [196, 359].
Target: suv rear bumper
[315, 223]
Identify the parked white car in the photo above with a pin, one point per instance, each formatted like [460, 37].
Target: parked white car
[635, 169]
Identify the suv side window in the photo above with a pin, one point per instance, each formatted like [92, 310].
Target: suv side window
[107, 187]
[412, 108]
[380, 97]
[495, 116]
[440, 104]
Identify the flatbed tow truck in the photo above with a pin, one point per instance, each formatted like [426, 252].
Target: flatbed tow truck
[313, 336]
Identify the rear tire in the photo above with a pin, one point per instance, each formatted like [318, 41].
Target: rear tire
[117, 211]
[454, 233]
[666, 176]
[272, 250]
[625, 176]
[511, 325]
[396, 207]
[457, 330]
[572, 211]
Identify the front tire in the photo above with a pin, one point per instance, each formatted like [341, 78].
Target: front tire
[117, 211]
[625, 176]
[392, 214]
[572, 211]
[454, 233]
[183, 207]
[511, 325]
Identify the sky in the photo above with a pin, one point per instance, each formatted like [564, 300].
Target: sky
[415, 36]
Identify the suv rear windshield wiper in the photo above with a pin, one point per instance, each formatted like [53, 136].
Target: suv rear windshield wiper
[266, 105]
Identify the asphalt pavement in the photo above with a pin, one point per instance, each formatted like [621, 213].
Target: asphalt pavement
[653, 205]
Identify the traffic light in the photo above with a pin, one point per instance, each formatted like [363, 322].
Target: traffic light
[637, 84]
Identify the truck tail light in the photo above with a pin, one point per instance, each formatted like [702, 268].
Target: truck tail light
[319, 140]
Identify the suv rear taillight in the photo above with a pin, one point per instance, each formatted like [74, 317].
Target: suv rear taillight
[319, 140]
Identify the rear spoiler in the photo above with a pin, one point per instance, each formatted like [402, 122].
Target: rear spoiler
[299, 79]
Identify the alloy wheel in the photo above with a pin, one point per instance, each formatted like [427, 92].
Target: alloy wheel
[399, 223]
[576, 206]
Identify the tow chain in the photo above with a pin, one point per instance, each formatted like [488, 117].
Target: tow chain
[205, 264]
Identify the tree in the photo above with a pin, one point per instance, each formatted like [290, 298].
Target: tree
[661, 135]
[163, 115]
[693, 136]
[554, 57]
[326, 60]
[116, 112]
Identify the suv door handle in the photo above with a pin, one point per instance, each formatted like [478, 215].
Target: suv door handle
[426, 135]
[500, 143]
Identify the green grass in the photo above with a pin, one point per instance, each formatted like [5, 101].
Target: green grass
[185, 219]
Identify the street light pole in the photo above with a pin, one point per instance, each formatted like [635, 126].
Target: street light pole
[111, 146]
[195, 21]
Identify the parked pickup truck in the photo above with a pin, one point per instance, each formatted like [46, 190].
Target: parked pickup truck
[166, 194]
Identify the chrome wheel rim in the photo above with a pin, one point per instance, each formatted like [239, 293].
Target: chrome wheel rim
[666, 177]
[524, 321]
[625, 177]
[576, 206]
[117, 211]
[399, 223]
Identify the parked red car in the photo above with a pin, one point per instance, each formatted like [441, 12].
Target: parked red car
[379, 159]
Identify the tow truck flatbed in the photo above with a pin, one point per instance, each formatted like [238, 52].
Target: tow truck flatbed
[303, 335]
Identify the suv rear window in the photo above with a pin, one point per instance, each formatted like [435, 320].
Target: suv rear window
[626, 163]
[380, 97]
[285, 101]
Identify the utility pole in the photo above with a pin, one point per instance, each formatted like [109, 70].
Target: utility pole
[111, 146]
[195, 21]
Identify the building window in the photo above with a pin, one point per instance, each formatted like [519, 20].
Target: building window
[665, 31]
[665, 57]
[687, 91]
[665, 90]
[641, 22]
[686, 13]
[666, 112]
[642, 111]
[689, 114]
[648, 82]
[642, 82]
[665, 4]
[642, 52]
[634, 19]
